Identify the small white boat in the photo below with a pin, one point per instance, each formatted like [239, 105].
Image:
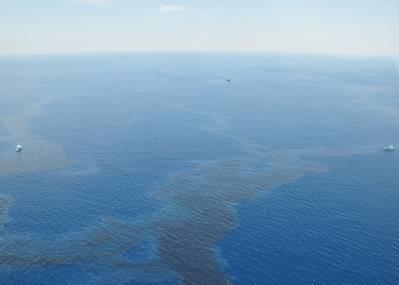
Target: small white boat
[18, 148]
[389, 148]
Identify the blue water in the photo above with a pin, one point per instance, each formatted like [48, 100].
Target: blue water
[164, 173]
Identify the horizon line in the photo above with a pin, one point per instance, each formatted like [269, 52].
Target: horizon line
[270, 52]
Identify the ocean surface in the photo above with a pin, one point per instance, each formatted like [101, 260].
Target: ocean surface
[153, 169]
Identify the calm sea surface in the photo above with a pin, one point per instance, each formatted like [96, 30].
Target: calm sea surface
[153, 169]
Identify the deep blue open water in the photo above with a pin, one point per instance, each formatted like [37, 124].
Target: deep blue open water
[152, 169]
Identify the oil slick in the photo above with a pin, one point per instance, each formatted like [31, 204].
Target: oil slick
[41, 155]
[199, 210]
[4, 205]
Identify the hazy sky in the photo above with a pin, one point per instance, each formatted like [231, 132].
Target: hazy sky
[322, 26]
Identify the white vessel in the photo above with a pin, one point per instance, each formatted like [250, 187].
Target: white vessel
[389, 148]
[18, 148]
